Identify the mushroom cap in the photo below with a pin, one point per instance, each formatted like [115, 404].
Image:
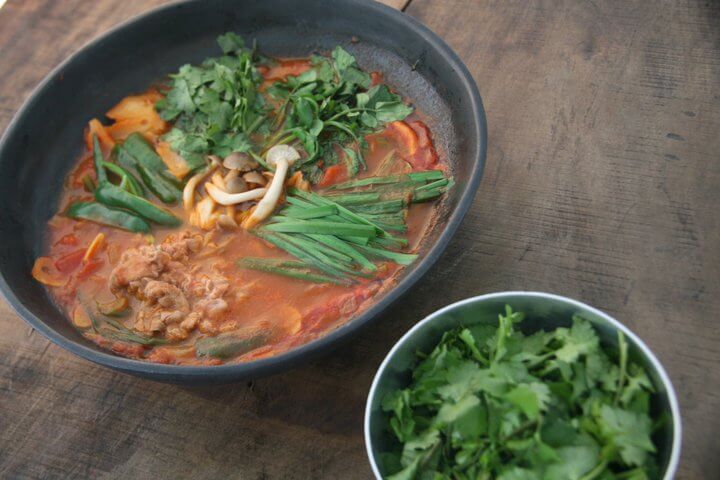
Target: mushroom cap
[255, 177]
[234, 183]
[239, 161]
[282, 152]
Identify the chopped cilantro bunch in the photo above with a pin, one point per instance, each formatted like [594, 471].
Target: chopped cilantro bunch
[492, 403]
[218, 108]
[332, 107]
[217, 105]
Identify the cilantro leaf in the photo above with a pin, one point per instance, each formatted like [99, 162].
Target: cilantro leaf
[231, 42]
[342, 59]
[628, 431]
[496, 403]
[580, 339]
[333, 106]
[215, 106]
[531, 398]
[574, 462]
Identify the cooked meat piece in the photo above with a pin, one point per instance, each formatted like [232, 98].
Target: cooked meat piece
[137, 264]
[150, 261]
[163, 304]
[185, 245]
[175, 297]
[212, 307]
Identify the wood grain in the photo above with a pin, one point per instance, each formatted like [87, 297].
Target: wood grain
[602, 183]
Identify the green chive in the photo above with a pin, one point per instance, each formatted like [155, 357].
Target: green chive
[388, 206]
[432, 185]
[288, 269]
[357, 198]
[321, 226]
[399, 258]
[280, 241]
[309, 213]
[339, 245]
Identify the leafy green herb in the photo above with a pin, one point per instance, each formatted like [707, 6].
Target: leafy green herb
[332, 107]
[216, 106]
[491, 402]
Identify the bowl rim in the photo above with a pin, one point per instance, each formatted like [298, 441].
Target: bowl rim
[660, 370]
[285, 360]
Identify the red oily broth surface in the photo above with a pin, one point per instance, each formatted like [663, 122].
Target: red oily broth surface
[293, 311]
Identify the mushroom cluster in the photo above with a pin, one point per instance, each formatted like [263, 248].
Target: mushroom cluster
[231, 186]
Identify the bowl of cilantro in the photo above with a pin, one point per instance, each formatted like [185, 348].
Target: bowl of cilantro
[522, 386]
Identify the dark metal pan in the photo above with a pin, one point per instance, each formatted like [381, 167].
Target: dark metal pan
[43, 141]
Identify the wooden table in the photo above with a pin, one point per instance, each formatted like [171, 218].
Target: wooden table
[602, 183]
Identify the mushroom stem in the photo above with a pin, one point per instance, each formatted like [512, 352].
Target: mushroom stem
[224, 198]
[191, 185]
[281, 156]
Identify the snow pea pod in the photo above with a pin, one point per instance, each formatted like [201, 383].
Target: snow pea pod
[158, 185]
[126, 178]
[115, 196]
[137, 154]
[98, 160]
[229, 345]
[142, 152]
[99, 213]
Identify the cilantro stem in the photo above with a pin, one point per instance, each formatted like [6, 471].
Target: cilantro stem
[258, 121]
[597, 470]
[274, 139]
[623, 347]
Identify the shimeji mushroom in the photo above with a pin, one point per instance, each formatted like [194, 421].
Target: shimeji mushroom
[224, 198]
[281, 157]
[192, 184]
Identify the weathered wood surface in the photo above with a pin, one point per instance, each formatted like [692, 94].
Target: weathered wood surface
[602, 183]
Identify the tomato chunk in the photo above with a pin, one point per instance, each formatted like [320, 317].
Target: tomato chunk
[404, 136]
[68, 239]
[68, 263]
[423, 133]
[333, 174]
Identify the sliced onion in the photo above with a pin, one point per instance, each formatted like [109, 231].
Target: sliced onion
[44, 271]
